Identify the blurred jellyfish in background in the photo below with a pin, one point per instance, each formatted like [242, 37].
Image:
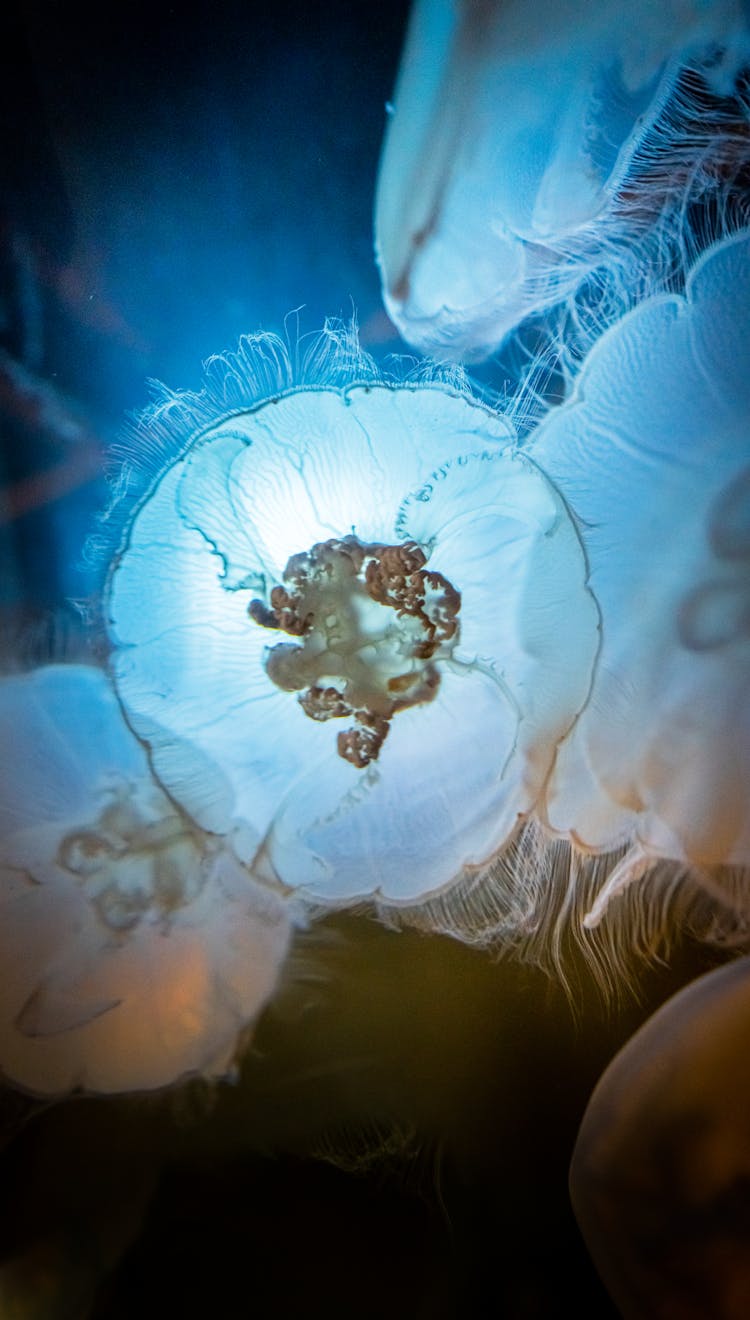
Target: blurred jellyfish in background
[661, 1168]
[533, 145]
[135, 951]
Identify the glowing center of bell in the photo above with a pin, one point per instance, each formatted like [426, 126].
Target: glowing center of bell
[139, 858]
[370, 622]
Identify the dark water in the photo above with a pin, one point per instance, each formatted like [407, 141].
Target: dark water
[171, 177]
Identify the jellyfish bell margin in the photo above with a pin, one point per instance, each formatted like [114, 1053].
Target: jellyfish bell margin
[350, 599]
[532, 146]
[136, 951]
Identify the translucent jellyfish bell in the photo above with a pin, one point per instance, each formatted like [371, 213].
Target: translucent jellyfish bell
[366, 635]
[351, 622]
[653, 455]
[530, 143]
[134, 950]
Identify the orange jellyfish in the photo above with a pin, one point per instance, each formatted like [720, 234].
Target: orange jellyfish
[135, 950]
[660, 1176]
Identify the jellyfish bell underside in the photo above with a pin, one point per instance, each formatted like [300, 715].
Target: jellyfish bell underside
[356, 605]
[530, 144]
[660, 1172]
[135, 951]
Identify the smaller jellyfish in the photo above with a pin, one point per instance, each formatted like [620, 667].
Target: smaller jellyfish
[532, 144]
[350, 621]
[135, 950]
[661, 1169]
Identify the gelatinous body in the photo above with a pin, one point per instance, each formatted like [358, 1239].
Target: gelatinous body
[661, 1169]
[532, 143]
[352, 626]
[652, 453]
[134, 949]
[367, 635]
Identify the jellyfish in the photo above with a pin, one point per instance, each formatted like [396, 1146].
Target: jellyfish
[136, 951]
[653, 454]
[374, 641]
[531, 145]
[659, 1176]
[351, 623]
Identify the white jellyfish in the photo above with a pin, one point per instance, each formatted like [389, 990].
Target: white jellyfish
[653, 455]
[532, 143]
[134, 949]
[371, 639]
[351, 623]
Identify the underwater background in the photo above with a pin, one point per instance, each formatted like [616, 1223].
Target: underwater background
[397, 1142]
